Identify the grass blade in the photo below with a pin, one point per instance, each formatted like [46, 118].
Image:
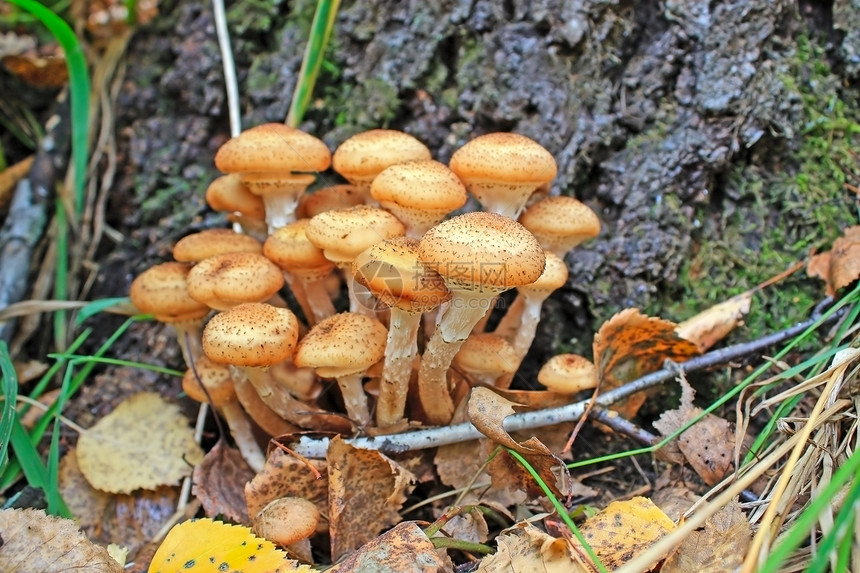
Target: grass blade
[10, 397]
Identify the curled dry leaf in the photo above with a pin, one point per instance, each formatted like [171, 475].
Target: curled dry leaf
[840, 266]
[487, 412]
[720, 546]
[525, 548]
[630, 345]
[144, 443]
[219, 483]
[366, 491]
[713, 324]
[34, 541]
[404, 549]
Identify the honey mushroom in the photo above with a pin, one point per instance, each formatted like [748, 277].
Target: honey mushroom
[245, 210]
[195, 247]
[568, 374]
[479, 255]
[223, 281]
[393, 273]
[484, 358]
[277, 163]
[288, 522]
[331, 198]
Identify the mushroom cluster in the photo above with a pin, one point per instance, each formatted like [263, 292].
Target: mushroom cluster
[419, 280]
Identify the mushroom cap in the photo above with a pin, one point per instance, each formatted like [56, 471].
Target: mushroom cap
[346, 343]
[560, 223]
[364, 155]
[210, 242]
[503, 157]
[287, 520]
[331, 198]
[342, 235]
[482, 252]
[486, 354]
[226, 280]
[161, 291]
[289, 248]
[251, 335]
[568, 374]
[552, 278]
[215, 377]
[273, 147]
[393, 273]
[228, 193]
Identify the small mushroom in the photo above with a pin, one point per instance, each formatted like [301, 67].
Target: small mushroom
[343, 347]
[331, 198]
[486, 357]
[246, 210]
[568, 374]
[286, 521]
[210, 242]
[560, 223]
[223, 281]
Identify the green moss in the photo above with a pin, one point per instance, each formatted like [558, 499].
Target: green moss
[363, 106]
[253, 16]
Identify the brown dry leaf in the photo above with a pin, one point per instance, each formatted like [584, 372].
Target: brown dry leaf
[708, 446]
[285, 475]
[624, 529]
[840, 266]
[630, 345]
[144, 443]
[456, 466]
[366, 491]
[38, 71]
[219, 483]
[712, 325]
[487, 412]
[34, 541]
[720, 546]
[524, 548]
[404, 549]
[87, 504]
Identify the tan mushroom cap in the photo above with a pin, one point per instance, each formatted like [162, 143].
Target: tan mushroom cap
[331, 198]
[228, 193]
[561, 223]
[251, 335]
[420, 193]
[215, 377]
[393, 273]
[552, 278]
[342, 235]
[482, 252]
[343, 344]
[484, 354]
[162, 291]
[210, 242]
[224, 281]
[568, 374]
[273, 148]
[508, 157]
[364, 155]
[287, 520]
[289, 248]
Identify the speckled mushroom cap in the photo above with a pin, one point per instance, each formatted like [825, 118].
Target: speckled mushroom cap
[273, 147]
[568, 373]
[560, 223]
[331, 198]
[215, 377]
[228, 193]
[419, 193]
[552, 278]
[485, 354]
[364, 155]
[482, 252]
[393, 273]
[251, 335]
[289, 248]
[210, 242]
[287, 520]
[346, 343]
[224, 281]
[342, 235]
[161, 291]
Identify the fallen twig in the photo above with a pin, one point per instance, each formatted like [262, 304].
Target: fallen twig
[456, 433]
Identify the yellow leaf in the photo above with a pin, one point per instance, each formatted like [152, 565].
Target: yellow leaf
[206, 546]
[713, 324]
[524, 548]
[144, 443]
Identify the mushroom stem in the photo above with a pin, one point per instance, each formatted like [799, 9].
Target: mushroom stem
[318, 300]
[243, 435]
[354, 398]
[510, 322]
[525, 334]
[464, 311]
[279, 399]
[188, 335]
[268, 420]
[280, 196]
[297, 287]
[400, 352]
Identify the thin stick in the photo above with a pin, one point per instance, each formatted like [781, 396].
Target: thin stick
[231, 84]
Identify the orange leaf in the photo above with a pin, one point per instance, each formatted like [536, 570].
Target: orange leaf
[712, 325]
[219, 483]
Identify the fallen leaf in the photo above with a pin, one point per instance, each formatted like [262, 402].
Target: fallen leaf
[144, 443]
[206, 546]
[457, 466]
[524, 548]
[720, 546]
[219, 483]
[840, 266]
[366, 490]
[38, 71]
[630, 345]
[624, 529]
[87, 504]
[712, 325]
[708, 446]
[34, 541]
[404, 549]
[487, 412]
